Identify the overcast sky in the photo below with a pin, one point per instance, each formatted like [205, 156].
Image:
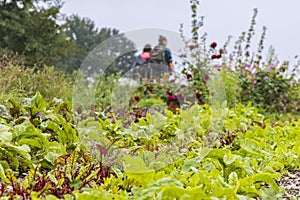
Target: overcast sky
[222, 18]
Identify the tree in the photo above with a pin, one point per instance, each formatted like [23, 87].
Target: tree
[87, 36]
[31, 28]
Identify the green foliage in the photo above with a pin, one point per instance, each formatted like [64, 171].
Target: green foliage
[157, 157]
[232, 86]
[17, 82]
[35, 133]
[103, 94]
[33, 31]
[269, 89]
[267, 83]
[247, 76]
[86, 36]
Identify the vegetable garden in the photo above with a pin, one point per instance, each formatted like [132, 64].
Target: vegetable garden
[166, 144]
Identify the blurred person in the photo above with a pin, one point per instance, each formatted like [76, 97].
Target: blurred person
[141, 66]
[161, 59]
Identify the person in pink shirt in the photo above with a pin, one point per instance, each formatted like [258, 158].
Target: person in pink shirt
[144, 57]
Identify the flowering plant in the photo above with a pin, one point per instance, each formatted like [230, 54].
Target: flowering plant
[269, 88]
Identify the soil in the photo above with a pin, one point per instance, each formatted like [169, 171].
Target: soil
[291, 183]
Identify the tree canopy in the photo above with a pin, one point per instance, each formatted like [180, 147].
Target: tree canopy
[31, 28]
[87, 36]
[37, 31]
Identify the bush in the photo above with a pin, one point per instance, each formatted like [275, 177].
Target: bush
[267, 88]
[19, 81]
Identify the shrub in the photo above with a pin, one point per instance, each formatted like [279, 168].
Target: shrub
[19, 81]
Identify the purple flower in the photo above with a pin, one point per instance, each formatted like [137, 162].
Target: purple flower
[39, 114]
[248, 66]
[180, 97]
[255, 81]
[266, 78]
[270, 69]
[291, 83]
[281, 104]
[112, 120]
[230, 56]
[206, 77]
[219, 67]
[263, 63]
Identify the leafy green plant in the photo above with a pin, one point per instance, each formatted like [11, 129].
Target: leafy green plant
[74, 171]
[276, 92]
[158, 156]
[35, 132]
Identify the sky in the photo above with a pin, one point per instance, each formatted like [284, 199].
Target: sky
[222, 18]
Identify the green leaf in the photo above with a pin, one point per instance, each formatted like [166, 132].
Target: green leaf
[11, 176]
[50, 197]
[194, 162]
[233, 178]
[55, 150]
[173, 192]
[19, 150]
[76, 184]
[251, 146]
[37, 104]
[30, 142]
[2, 175]
[136, 169]
[229, 158]
[134, 165]
[61, 181]
[260, 177]
[5, 134]
[37, 195]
